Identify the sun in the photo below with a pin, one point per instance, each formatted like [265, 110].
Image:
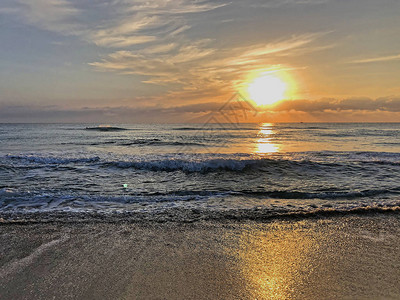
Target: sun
[267, 89]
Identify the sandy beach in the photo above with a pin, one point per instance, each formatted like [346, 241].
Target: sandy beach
[345, 257]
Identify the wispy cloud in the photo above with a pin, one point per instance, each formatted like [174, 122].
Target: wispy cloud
[123, 23]
[122, 41]
[52, 15]
[279, 3]
[161, 48]
[376, 59]
[151, 39]
[195, 69]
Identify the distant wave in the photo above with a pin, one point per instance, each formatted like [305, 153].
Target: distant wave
[372, 133]
[389, 144]
[52, 160]
[158, 142]
[106, 128]
[206, 128]
[313, 127]
[302, 127]
[138, 142]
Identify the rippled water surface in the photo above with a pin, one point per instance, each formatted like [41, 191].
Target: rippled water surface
[125, 167]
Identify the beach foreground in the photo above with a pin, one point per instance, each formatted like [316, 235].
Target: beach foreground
[346, 257]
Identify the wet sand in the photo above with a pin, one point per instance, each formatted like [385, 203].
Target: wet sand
[343, 257]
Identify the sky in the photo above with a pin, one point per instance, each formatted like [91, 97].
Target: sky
[134, 61]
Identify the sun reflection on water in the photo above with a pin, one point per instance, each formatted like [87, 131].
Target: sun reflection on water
[264, 144]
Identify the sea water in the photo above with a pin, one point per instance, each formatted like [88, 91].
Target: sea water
[209, 168]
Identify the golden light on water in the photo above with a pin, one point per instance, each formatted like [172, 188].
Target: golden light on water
[265, 147]
[264, 144]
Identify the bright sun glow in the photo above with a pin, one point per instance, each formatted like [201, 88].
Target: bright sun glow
[267, 89]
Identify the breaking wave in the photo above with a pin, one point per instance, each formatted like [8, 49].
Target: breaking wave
[210, 163]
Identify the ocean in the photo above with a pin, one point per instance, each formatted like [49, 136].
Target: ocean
[199, 170]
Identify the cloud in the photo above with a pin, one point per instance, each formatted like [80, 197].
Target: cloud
[139, 22]
[161, 48]
[323, 110]
[123, 23]
[388, 104]
[377, 59]
[197, 69]
[280, 46]
[121, 41]
[279, 3]
[151, 40]
[52, 15]
[170, 7]
[22, 113]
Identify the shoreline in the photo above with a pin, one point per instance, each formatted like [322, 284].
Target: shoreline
[352, 256]
[192, 215]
